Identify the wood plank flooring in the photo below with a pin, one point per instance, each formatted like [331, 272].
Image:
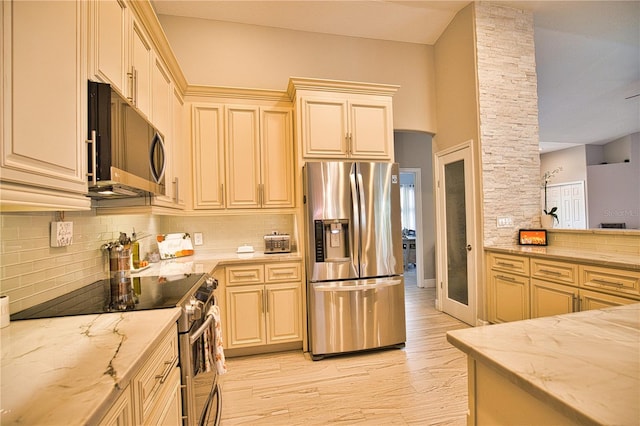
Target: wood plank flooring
[425, 383]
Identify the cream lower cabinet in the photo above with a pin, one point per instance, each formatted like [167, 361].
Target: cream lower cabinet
[263, 304]
[508, 288]
[552, 287]
[44, 98]
[154, 395]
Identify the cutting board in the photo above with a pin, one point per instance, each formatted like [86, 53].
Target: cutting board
[174, 245]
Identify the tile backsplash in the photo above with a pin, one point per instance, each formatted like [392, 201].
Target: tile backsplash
[32, 272]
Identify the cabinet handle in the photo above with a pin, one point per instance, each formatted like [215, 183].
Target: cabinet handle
[131, 88]
[288, 273]
[605, 282]
[245, 275]
[265, 302]
[165, 374]
[94, 158]
[135, 87]
[574, 303]
[505, 264]
[222, 193]
[550, 272]
[506, 278]
[177, 183]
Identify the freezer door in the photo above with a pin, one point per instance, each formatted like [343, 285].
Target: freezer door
[349, 316]
[380, 219]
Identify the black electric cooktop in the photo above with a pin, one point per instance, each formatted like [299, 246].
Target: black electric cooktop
[151, 293]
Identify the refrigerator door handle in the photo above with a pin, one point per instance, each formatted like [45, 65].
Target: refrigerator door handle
[373, 286]
[355, 229]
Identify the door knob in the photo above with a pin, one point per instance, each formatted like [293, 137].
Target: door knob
[468, 247]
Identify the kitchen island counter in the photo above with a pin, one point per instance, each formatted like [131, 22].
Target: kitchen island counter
[580, 368]
[70, 370]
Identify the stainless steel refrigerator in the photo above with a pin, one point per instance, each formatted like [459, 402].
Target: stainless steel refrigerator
[354, 259]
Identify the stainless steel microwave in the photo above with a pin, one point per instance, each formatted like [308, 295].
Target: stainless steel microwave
[126, 152]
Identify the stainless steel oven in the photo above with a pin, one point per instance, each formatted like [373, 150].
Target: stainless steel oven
[201, 398]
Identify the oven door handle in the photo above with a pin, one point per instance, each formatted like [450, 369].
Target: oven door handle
[196, 334]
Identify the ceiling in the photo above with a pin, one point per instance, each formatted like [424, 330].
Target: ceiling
[587, 52]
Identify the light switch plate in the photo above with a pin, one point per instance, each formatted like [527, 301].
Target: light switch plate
[61, 234]
[197, 238]
[505, 222]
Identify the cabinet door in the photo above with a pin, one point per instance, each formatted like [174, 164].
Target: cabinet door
[109, 32]
[141, 60]
[276, 158]
[371, 130]
[284, 312]
[208, 156]
[243, 157]
[324, 127]
[44, 97]
[596, 300]
[168, 408]
[181, 151]
[245, 315]
[121, 412]
[509, 297]
[551, 299]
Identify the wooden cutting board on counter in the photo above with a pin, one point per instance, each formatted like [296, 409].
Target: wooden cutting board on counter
[174, 245]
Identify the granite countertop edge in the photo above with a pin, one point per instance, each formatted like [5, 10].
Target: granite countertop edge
[617, 260]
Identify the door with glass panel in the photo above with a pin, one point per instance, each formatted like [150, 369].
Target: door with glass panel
[456, 277]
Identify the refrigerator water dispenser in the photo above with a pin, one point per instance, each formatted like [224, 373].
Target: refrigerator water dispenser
[332, 241]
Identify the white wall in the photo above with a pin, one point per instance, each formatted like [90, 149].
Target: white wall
[573, 163]
[237, 55]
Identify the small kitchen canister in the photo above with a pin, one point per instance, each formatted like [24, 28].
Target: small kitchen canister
[4, 311]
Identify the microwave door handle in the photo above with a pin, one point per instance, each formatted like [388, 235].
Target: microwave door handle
[157, 176]
[94, 158]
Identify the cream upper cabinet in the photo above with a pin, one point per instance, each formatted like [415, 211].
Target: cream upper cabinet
[259, 157]
[339, 128]
[109, 20]
[339, 120]
[207, 124]
[140, 69]
[44, 98]
[243, 157]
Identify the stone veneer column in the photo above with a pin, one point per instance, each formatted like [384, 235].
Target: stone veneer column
[508, 111]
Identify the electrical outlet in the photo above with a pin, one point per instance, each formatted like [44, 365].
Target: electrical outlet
[197, 238]
[61, 234]
[505, 222]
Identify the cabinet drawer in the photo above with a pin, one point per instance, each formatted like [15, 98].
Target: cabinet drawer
[150, 381]
[561, 272]
[509, 263]
[279, 272]
[249, 274]
[616, 280]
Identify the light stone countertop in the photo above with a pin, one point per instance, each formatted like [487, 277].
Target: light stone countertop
[616, 260]
[70, 370]
[204, 262]
[586, 364]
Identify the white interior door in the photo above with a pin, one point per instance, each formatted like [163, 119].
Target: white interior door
[455, 228]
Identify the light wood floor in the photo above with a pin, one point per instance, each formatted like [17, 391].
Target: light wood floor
[425, 383]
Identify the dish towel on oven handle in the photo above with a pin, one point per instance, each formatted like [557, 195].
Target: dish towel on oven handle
[213, 350]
